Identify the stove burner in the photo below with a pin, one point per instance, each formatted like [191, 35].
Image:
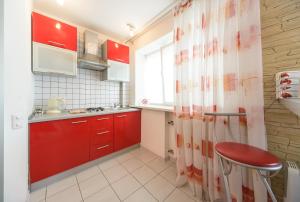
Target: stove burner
[95, 109]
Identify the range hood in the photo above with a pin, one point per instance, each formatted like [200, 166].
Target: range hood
[90, 56]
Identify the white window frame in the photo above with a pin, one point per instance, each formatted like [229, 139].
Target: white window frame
[160, 50]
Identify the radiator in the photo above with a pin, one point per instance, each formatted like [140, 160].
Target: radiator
[292, 181]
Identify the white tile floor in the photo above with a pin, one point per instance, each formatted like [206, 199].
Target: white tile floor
[136, 176]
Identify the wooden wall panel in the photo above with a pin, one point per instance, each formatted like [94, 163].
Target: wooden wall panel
[280, 24]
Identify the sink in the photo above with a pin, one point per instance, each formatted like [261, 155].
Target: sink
[121, 108]
[293, 104]
[117, 108]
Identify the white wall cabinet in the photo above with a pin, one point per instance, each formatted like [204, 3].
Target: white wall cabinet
[50, 59]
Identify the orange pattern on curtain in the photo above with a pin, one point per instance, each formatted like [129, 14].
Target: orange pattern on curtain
[218, 68]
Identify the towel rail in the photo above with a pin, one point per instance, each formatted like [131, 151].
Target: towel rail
[224, 114]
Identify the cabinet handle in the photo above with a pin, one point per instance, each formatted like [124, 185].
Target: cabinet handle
[102, 147]
[101, 133]
[77, 122]
[56, 44]
[118, 59]
[102, 119]
[121, 116]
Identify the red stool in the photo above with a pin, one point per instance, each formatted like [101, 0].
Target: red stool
[250, 157]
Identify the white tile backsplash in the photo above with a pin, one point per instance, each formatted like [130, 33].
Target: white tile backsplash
[84, 90]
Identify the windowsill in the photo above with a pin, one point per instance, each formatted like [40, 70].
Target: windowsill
[156, 107]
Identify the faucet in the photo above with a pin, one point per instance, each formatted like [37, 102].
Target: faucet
[116, 105]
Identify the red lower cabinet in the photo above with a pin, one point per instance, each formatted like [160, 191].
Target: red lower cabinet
[56, 146]
[100, 150]
[102, 142]
[127, 129]
[134, 127]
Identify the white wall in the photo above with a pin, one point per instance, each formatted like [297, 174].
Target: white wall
[159, 29]
[154, 132]
[17, 97]
[1, 101]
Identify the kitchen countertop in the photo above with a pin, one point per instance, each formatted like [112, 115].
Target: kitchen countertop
[67, 115]
[156, 107]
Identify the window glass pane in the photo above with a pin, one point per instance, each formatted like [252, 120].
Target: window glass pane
[153, 79]
[168, 73]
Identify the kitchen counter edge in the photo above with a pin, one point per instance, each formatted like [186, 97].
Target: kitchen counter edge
[62, 116]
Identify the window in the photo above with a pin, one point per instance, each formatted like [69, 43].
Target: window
[155, 73]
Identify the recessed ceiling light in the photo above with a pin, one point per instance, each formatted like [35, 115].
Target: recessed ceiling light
[57, 25]
[60, 2]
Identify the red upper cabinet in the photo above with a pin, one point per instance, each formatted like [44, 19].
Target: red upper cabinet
[117, 52]
[49, 31]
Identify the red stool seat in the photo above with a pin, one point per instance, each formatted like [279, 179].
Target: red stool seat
[248, 155]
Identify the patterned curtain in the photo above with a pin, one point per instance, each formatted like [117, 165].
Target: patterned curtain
[218, 69]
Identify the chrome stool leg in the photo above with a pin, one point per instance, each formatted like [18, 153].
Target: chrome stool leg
[267, 185]
[225, 174]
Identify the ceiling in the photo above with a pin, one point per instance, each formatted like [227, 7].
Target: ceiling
[106, 16]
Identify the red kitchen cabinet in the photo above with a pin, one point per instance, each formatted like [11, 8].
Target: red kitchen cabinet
[117, 52]
[127, 129]
[100, 150]
[56, 146]
[134, 127]
[52, 32]
[102, 136]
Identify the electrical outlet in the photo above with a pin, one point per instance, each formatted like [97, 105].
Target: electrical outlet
[16, 122]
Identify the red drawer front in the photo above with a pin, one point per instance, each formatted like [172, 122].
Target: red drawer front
[117, 52]
[103, 137]
[100, 150]
[103, 123]
[53, 32]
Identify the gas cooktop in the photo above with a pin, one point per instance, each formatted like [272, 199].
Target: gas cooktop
[95, 109]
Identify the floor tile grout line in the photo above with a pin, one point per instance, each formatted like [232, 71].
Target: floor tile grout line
[100, 173]
[46, 193]
[176, 188]
[136, 189]
[169, 194]
[79, 187]
[117, 179]
[130, 173]
[132, 156]
[132, 170]
[62, 189]
[156, 174]
[107, 161]
[136, 156]
[143, 186]
[151, 193]
[167, 180]
[109, 184]
[159, 171]
[88, 177]
[96, 192]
